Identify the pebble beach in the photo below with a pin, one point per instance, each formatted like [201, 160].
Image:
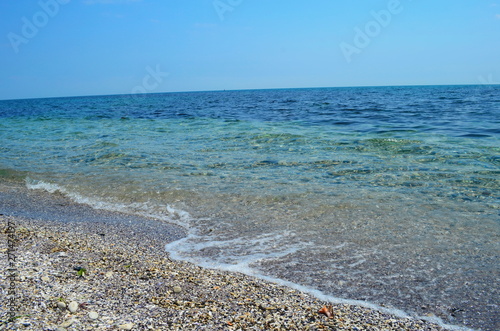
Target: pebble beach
[97, 277]
[381, 197]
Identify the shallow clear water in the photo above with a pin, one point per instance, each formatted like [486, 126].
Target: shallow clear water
[388, 195]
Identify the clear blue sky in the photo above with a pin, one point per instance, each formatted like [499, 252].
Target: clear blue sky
[88, 47]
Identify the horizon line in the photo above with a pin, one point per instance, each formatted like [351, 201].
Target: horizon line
[247, 89]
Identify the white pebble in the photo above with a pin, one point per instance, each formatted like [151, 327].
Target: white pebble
[73, 306]
[93, 315]
[61, 304]
[46, 278]
[177, 289]
[126, 326]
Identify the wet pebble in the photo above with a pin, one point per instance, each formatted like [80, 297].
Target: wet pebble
[126, 326]
[73, 306]
[93, 315]
[67, 323]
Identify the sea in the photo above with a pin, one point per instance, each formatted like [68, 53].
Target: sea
[387, 197]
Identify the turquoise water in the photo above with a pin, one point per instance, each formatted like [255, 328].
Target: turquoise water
[385, 195]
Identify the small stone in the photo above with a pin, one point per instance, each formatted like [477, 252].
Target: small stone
[126, 326]
[93, 315]
[67, 323]
[46, 278]
[108, 274]
[73, 306]
[264, 306]
[177, 289]
[61, 304]
[60, 329]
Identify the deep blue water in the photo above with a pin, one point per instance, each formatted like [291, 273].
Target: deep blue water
[388, 195]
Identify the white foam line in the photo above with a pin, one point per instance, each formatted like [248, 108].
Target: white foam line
[183, 219]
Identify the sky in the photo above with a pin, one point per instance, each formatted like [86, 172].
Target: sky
[52, 48]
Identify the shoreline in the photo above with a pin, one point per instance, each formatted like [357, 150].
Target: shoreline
[130, 283]
[120, 252]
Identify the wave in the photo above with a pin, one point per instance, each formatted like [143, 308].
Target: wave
[167, 213]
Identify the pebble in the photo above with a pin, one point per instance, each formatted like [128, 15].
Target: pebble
[177, 289]
[73, 306]
[61, 304]
[46, 278]
[93, 315]
[126, 326]
[67, 323]
[109, 274]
